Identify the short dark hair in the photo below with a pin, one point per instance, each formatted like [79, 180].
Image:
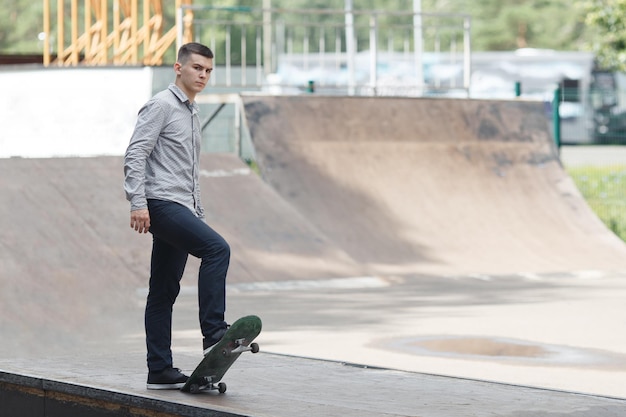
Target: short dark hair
[187, 49]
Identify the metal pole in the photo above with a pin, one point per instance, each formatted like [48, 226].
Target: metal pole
[467, 51]
[350, 47]
[228, 55]
[267, 37]
[556, 117]
[244, 51]
[419, 44]
[373, 54]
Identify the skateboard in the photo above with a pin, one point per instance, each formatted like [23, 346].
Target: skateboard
[211, 369]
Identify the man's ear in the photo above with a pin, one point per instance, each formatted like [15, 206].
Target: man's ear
[177, 66]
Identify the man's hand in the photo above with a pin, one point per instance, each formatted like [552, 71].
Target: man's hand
[140, 220]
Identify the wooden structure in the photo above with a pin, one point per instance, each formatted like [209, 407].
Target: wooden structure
[111, 32]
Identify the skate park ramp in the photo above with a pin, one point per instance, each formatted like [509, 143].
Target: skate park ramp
[430, 185]
[70, 265]
[73, 272]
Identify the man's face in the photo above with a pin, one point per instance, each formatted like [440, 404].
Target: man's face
[194, 74]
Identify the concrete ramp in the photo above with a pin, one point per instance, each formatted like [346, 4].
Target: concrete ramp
[68, 261]
[269, 239]
[430, 185]
[70, 265]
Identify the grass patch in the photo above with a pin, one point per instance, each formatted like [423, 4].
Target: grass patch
[604, 188]
[253, 166]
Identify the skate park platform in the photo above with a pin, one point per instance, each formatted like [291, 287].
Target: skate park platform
[414, 257]
[273, 385]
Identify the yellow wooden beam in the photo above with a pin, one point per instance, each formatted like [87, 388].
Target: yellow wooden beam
[60, 32]
[74, 57]
[100, 44]
[46, 31]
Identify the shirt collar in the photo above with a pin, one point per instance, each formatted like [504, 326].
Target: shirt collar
[182, 96]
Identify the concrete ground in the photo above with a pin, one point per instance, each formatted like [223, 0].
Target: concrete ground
[554, 332]
[264, 385]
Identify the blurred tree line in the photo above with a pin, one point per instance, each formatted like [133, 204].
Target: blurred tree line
[497, 25]
[21, 21]
[606, 20]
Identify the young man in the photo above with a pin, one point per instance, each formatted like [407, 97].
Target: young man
[161, 169]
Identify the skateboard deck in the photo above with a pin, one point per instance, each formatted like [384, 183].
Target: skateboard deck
[211, 369]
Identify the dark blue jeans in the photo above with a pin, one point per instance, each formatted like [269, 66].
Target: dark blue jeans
[177, 232]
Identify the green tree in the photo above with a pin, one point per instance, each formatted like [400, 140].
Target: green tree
[607, 20]
[511, 24]
[21, 21]
[496, 24]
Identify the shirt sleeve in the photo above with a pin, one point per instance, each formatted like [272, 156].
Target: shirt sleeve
[147, 130]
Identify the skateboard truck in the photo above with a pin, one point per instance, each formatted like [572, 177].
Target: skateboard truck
[241, 347]
[208, 384]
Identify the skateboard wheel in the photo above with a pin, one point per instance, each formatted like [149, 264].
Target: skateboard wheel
[221, 387]
[254, 347]
[194, 388]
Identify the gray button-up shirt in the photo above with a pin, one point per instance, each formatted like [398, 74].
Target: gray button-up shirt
[161, 161]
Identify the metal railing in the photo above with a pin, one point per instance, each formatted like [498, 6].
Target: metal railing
[360, 52]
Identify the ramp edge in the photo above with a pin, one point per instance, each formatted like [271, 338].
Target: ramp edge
[33, 396]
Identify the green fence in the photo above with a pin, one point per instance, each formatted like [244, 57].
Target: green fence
[597, 163]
